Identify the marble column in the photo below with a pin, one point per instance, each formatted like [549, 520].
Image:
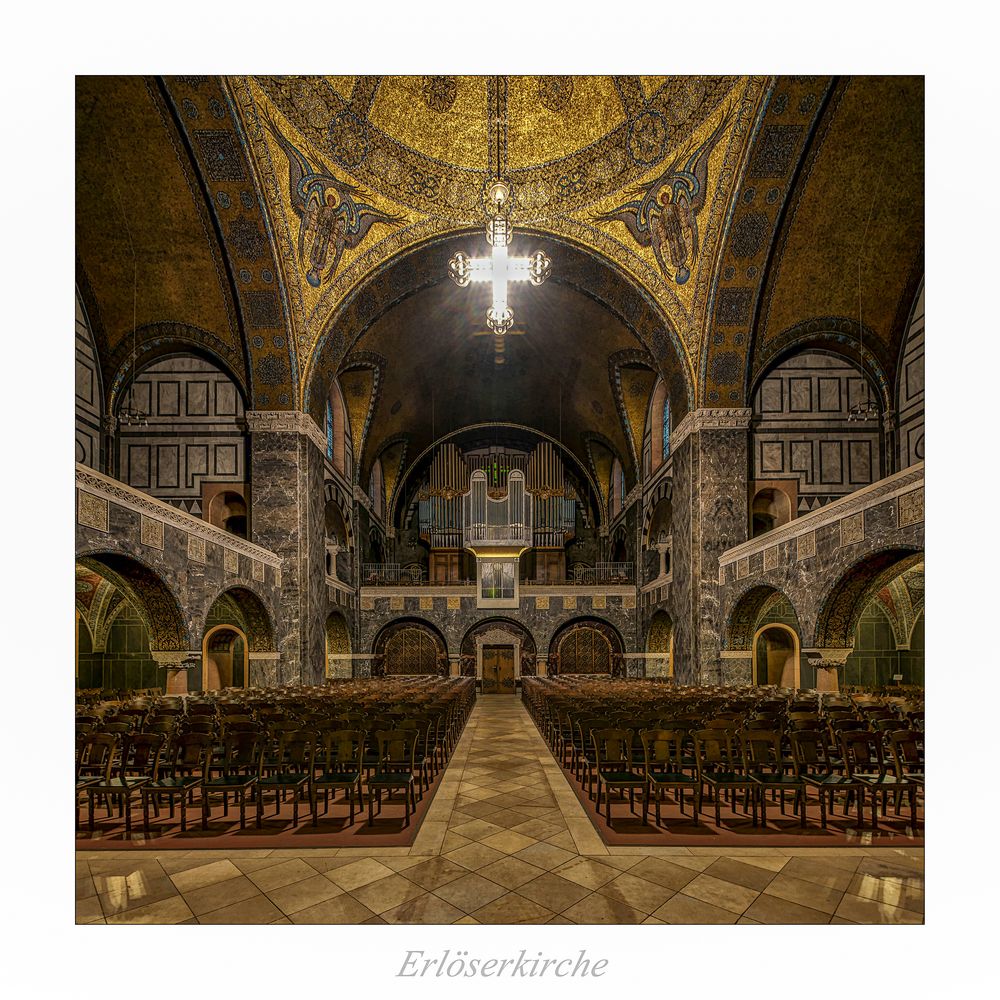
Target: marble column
[287, 506]
[711, 465]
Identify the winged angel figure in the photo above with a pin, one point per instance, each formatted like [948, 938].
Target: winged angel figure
[664, 212]
[330, 219]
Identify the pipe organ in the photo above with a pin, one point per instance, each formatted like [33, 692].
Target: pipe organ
[483, 494]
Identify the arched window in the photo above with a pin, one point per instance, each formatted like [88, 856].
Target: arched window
[658, 421]
[666, 427]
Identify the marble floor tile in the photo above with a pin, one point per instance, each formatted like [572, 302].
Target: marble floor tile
[510, 872]
[359, 873]
[387, 892]
[768, 909]
[636, 892]
[307, 892]
[219, 894]
[553, 892]
[435, 872]
[513, 909]
[474, 856]
[195, 878]
[598, 909]
[424, 909]
[342, 909]
[285, 873]
[681, 909]
[796, 890]
[734, 870]
[164, 911]
[470, 892]
[726, 895]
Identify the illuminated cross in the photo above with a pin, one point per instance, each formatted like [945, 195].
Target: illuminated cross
[499, 267]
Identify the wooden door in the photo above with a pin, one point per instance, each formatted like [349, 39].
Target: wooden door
[498, 669]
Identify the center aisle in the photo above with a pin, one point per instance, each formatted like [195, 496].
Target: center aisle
[504, 841]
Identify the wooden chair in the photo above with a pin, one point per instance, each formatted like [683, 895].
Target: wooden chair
[139, 763]
[865, 763]
[613, 767]
[907, 747]
[183, 768]
[237, 768]
[720, 766]
[664, 767]
[288, 769]
[395, 769]
[815, 767]
[338, 764]
[94, 760]
[767, 767]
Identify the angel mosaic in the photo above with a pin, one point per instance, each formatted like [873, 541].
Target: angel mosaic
[331, 220]
[664, 212]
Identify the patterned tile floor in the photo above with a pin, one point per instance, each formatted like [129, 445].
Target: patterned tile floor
[504, 841]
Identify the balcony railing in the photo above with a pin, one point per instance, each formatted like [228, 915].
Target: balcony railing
[604, 572]
[390, 574]
[506, 535]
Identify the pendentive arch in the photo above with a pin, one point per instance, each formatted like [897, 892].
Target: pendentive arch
[251, 611]
[154, 601]
[748, 608]
[426, 264]
[845, 601]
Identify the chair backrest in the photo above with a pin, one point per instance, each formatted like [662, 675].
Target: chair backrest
[141, 753]
[715, 747]
[342, 748]
[240, 751]
[97, 755]
[862, 751]
[809, 748]
[662, 749]
[762, 749]
[396, 748]
[190, 752]
[907, 746]
[612, 747]
[294, 751]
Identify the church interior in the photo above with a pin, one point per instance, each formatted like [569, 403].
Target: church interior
[499, 499]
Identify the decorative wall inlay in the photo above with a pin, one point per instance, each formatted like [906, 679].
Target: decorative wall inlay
[287, 422]
[599, 602]
[542, 603]
[911, 507]
[397, 603]
[852, 529]
[742, 569]
[231, 561]
[870, 496]
[454, 603]
[197, 549]
[367, 604]
[628, 601]
[569, 603]
[426, 603]
[111, 490]
[805, 546]
[258, 570]
[771, 558]
[151, 532]
[92, 510]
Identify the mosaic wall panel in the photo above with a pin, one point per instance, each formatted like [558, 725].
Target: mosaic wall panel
[92, 511]
[852, 529]
[911, 508]
[151, 532]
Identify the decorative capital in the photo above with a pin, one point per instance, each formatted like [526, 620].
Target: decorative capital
[711, 418]
[176, 659]
[828, 658]
[286, 422]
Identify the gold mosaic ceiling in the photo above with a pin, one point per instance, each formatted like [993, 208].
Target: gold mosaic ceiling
[276, 219]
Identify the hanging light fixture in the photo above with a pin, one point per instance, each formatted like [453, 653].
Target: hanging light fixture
[129, 414]
[499, 267]
[867, 408]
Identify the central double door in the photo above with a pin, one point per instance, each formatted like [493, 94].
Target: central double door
[498, 669]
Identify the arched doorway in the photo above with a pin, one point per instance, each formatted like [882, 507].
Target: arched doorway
[410, 647]
[225, 657]
[499, 652]
[586, 646]
[776, 656]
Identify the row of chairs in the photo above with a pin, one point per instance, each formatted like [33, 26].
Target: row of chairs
[172, 755]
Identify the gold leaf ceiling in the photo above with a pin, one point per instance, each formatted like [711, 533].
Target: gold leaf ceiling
[283, 224]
